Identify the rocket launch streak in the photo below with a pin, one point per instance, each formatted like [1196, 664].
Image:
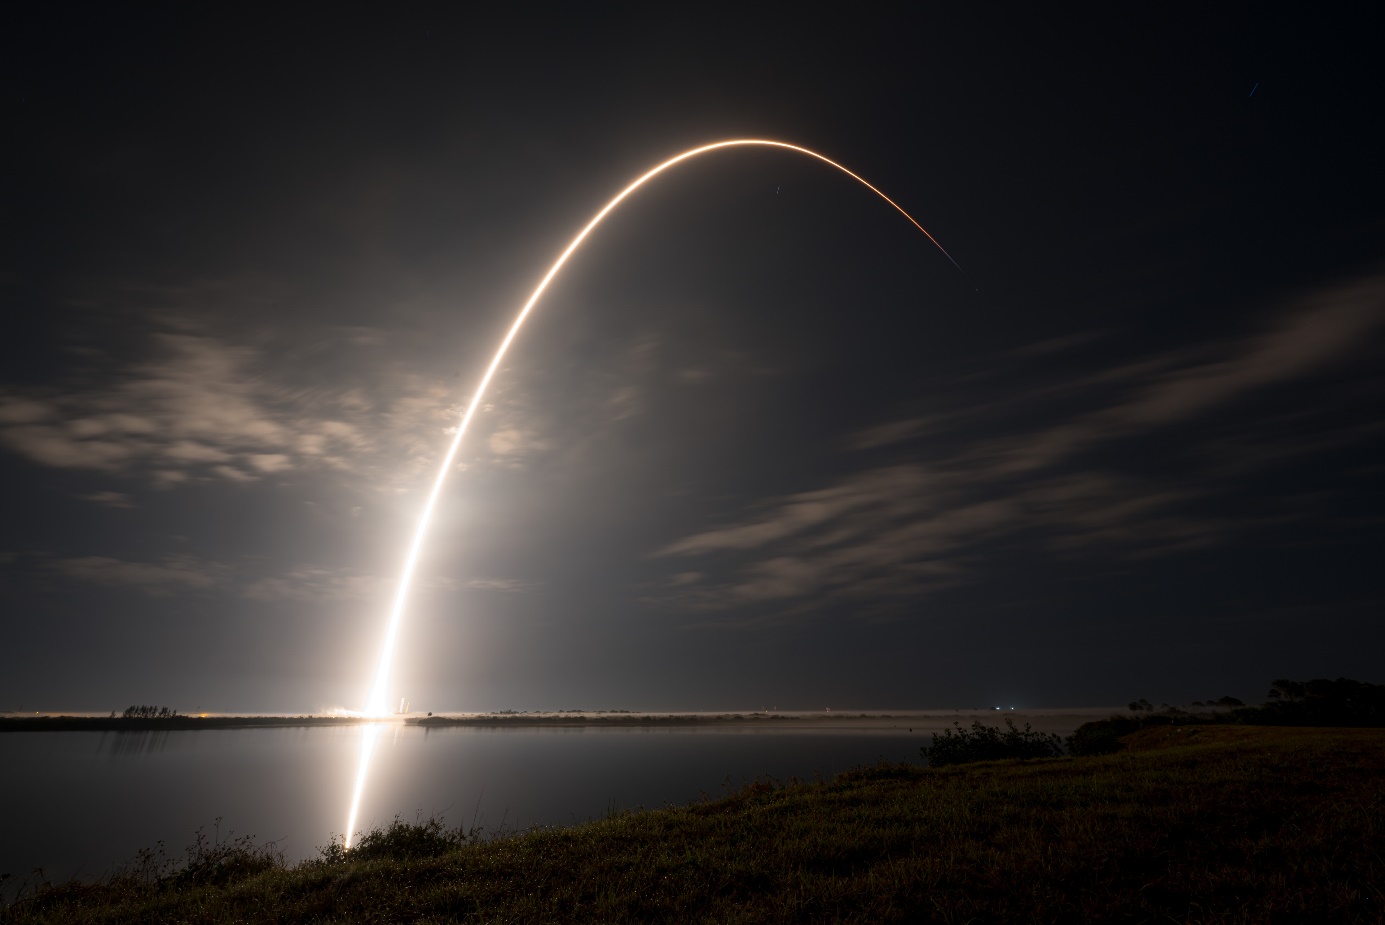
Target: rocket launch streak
[377, 702]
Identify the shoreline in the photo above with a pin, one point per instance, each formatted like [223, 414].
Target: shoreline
[926, 719]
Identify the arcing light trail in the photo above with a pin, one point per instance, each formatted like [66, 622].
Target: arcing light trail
[377, 702]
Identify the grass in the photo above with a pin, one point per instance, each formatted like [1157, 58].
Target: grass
[1190, 824]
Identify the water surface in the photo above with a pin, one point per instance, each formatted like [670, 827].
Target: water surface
[81, 803]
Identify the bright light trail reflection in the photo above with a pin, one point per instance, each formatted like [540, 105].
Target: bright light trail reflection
[369, 733]
[378, 700]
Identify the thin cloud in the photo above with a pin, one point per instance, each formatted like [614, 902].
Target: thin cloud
[180, 574]
[796, 514]
[890, 433]
[501, 585]
[162, 578]
[109, 499]
[913, 529]
[1315, 334]
[316, 584]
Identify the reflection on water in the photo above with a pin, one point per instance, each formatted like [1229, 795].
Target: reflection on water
[125, 744]
[370, 732]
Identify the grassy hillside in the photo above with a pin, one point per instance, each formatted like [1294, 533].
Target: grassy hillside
[1195, 824]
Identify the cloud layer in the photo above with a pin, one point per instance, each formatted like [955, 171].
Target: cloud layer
[907, 529]
[207, 409]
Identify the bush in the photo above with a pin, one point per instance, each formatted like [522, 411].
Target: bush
[1102, 736]
[988, 743]
[209, 860]
[214, 861]
[426, 839]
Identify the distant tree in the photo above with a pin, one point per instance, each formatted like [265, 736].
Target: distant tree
[1322, 702]
[1284, 689]
[1229, 702]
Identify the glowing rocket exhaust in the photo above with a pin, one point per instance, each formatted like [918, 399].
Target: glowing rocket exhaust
[378, 699]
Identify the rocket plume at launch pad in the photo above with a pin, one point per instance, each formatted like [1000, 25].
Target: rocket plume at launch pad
[377, 701]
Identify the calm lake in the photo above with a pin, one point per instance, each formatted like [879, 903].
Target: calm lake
[81, 803]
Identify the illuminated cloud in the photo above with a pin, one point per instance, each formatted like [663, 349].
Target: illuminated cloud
[161, 578]
[206, 409]
[315, 584]
[512, 442]
[304, 584]
[504, 585]
[109, 498]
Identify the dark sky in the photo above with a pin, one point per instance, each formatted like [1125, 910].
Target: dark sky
[762, 444]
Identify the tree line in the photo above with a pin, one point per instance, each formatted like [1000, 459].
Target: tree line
[147, 712]
[1319, 702]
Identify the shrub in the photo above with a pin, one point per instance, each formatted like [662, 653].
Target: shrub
[212, 860]
[988, 743]
[400, 839]
[209, 860]
[1102, 736]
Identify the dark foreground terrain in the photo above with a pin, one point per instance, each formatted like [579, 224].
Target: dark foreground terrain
[1188, 824]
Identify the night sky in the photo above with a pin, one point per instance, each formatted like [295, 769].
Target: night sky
[762, 444]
